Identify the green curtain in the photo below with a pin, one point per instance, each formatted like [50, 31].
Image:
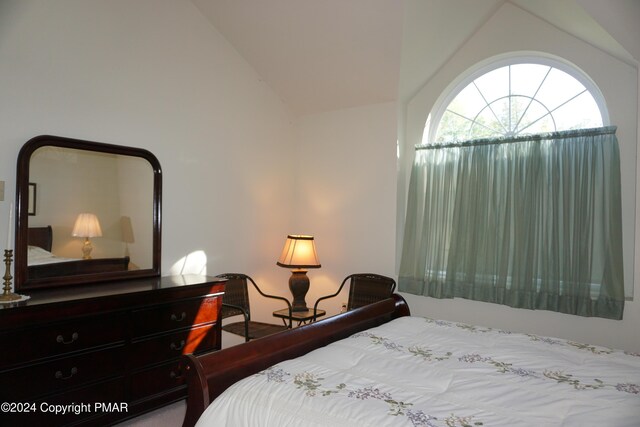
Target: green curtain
[530, 222]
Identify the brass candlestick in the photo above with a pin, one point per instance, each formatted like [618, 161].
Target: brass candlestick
[7, 295]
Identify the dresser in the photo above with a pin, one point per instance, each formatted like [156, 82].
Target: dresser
[98, 354]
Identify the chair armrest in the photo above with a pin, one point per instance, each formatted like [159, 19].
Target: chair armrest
[315, 306]
[244, 314]
[274, 297]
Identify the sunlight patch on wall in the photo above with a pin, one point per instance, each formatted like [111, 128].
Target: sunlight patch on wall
[193, 263]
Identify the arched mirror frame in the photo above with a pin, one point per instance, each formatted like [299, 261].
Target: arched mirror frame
[22, 281]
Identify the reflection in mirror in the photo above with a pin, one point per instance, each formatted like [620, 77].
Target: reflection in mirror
[104, 190]
[97, 214]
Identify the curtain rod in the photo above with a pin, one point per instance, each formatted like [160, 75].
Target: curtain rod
[606, 130]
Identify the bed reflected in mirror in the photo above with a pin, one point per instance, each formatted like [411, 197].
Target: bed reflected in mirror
[97, 214]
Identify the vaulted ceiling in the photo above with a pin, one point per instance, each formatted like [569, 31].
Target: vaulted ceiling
[322, 55]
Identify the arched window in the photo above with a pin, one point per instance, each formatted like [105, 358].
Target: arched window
[514, 197]
[517, 96]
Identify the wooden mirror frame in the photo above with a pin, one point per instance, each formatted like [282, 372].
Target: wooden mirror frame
[22, 281]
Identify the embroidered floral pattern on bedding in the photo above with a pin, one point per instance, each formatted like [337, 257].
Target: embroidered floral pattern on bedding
[313, 387]
[505, 367]
[419, 351]
[559, 376]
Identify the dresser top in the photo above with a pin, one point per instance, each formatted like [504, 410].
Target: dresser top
[112, 295]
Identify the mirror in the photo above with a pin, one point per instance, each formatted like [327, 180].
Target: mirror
[86, 212]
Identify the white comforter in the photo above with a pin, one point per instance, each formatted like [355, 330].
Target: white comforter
[421, 372]
[39, 256]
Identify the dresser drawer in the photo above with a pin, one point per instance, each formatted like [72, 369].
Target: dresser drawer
[157, 380]
[61, 338]
[57, 375]
[179, 315]
[173, 345]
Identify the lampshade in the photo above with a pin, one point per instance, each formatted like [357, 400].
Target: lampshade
[87, 225]
[299, 252]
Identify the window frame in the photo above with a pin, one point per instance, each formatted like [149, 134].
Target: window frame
[434, 117]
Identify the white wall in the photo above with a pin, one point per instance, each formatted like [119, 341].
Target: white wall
[512, 29]
[156, 75]
[346, 191]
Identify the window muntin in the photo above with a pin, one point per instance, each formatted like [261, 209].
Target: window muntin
[517, 99]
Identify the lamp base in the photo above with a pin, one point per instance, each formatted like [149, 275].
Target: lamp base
[86, 248]
[299, 285]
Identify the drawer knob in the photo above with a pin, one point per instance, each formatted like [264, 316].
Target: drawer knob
[175, 318]
[61, 376]
[174, 375]
[60, 339]
[178, 346]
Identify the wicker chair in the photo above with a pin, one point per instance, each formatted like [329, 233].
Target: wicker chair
[236, 302]
[364, 289]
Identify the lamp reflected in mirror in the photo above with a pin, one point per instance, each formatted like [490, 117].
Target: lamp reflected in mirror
[127, 237]
[87, 225]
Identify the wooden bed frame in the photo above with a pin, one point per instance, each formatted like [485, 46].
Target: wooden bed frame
[43, 237]
[209, 374]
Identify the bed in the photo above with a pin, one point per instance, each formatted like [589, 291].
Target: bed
[42, 263]
[385, 367]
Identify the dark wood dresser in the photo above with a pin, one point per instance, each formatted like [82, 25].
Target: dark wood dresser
[104, 352]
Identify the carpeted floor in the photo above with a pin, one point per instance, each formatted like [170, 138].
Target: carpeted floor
[168, 416]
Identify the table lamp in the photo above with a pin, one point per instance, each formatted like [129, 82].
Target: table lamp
[299, 254]
[87, 225]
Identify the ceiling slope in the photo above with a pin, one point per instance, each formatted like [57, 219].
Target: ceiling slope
[317, 55]
[323, 55]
